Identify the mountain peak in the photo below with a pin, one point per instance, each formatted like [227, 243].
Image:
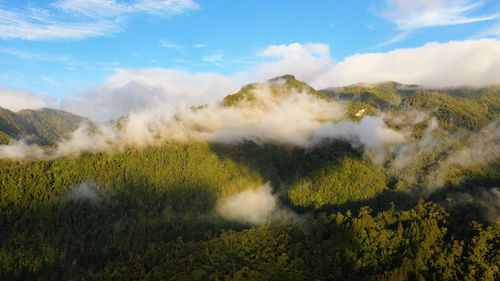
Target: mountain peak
[280, 86]
[283, 77]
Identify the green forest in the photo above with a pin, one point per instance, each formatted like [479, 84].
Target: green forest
[342, 212]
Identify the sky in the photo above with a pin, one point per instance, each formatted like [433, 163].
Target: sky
[106, 58]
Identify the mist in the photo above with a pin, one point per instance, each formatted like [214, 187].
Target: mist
[250, 206]
[446, 152]
[255, 206]
[487, 200]
[294, 118]
[371, 132]
[83, 192]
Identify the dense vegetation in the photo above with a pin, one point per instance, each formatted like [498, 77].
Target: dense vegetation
[466, 108]
[44, 126]
[151, 213]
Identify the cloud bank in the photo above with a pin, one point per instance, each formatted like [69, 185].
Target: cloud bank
[17, 99]
[135, 90]
[306, 61]
[272, 114]
[456, 63]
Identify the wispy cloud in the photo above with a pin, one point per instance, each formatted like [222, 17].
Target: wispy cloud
[169, 7]
[213, 58]
[217, 57]
[92, 8]
[29, 26]
[112, 8]
[493, 31]
[25, 55]
[410, 14]
[170, 45]
[398, 38]
[94, 18]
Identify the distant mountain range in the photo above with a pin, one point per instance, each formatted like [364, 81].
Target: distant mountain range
[461, 107]
[42, 126]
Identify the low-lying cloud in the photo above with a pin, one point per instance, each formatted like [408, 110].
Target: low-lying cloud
[136, 90]
[292, 117]
[371, 132]
[250, 206]
[255, 206]
[487, 199]
[83, 192]
[441, 152]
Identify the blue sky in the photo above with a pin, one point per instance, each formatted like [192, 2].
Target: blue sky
[63, 48]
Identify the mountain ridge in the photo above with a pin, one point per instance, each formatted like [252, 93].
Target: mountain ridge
[44, 126]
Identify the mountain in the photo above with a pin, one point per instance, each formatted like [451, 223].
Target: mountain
[42, 126]
[467, 108]
[279, 86]
[259, 209]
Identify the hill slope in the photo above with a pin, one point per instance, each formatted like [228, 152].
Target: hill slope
[44, 126]
[178, 210]
[467, 108]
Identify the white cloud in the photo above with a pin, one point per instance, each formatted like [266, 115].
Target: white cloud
[456, 63]
[296, 50]
[112, 8]
[97, 18]
[305, 61]
[93, 8]
[168, 7]
[251, 206]
[216, 57]
[493, 31]
[398, 38]
[213, 58]
[411, 14]
[25, 55]
[17, 99]
[371, 132]
[290, 119]
[169, 45]
[28, 26]
[131, 90]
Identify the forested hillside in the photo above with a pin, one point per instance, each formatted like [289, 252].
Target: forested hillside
[467, 108]
[405, 190]
[43, 126]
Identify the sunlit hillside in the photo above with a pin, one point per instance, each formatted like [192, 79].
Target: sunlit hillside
[381, 182]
